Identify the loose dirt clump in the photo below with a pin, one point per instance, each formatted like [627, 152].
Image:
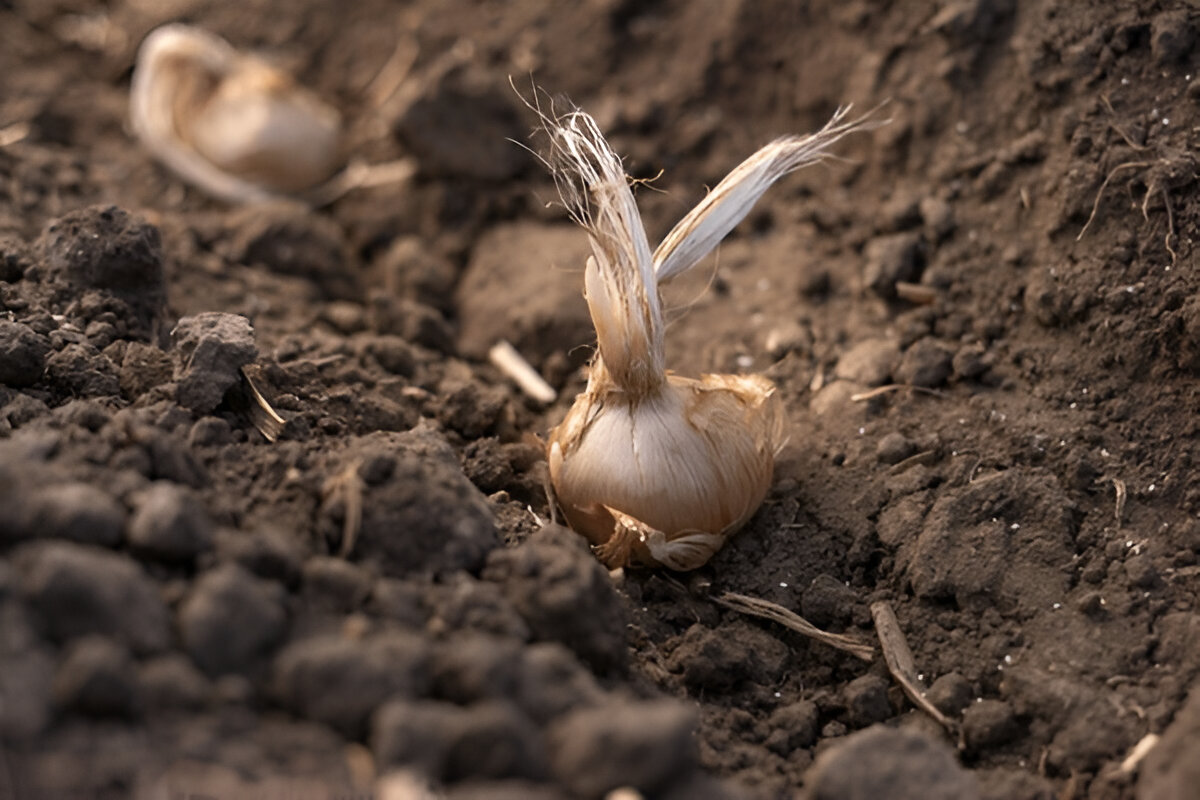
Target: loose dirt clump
[983, 326]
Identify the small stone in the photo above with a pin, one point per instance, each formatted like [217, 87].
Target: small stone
[834, 399]
[816, 284]
[927, 363]
[22, 354]
[427, 516]
[78, 512]
[552, 681]
[971, 361]
[938, 217]
[292, 239]
[723, 659]
[26, 681]
[77, 590]
[22, 409]
[411, 269]
[83, 371]
[459, 129]
[869, 362]
[1171, 37]
[268, 553]
[499, 298]
[827, 601]
[867, 700]
[113, 261]
[219, 597]
[210, 432]
[989, 723]
[14, 258]
[1140, 570]
[471, 667]
[896, 764]
[564, 595]
[790, 337]
[833, 729]
[892, 258]
[474, 605]
[143, 367]
[900, 213]
[104, 247]
[340, 682]
[96, 679]
[392, 352]
[950, 694]
[210, 349]
[335, 584]
[169, 523]
[894, 448]
[448, 743]
[645, 745]
[87, 414]
[171, 682]
[797, 722]
[415, 322]
[346, 316]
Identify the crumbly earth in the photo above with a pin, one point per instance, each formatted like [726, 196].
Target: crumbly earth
[372, 602]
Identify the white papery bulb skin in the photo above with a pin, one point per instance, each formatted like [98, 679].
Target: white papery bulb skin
[667, 478]
[229, 123]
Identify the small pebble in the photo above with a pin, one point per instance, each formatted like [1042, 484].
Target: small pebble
[894, 448]
[219, 596]
[867, 700]
[96, 678]
[989, 723]
[950, 693]
[22, 354]
[927, 363]
[869, 362]
[210, 349]
[169, 523]
[892, 258]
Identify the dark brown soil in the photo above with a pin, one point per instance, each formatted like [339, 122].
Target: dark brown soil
[182, 614]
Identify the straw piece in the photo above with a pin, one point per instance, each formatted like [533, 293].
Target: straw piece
[506, 359]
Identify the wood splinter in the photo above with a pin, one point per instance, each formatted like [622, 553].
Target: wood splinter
[901, 664]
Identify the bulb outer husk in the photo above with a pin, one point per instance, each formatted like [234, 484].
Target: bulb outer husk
[666, 478]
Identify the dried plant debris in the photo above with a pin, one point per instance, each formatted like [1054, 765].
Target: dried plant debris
[229, 123]
[765, 609]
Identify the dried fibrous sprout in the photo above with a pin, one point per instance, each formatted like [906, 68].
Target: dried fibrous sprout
[650, 466]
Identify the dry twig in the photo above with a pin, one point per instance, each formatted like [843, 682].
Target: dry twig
[757, 607]
[508, 360]
[893, 387]
[1121, 494]
[901, 664]
[347, 486]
